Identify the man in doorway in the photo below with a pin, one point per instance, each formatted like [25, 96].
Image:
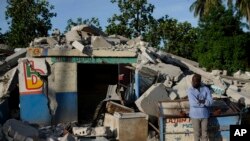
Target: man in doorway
[200, 99]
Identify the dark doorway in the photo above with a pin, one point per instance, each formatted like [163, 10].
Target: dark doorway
[92, 85]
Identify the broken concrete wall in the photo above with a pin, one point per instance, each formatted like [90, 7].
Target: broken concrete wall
[148, 102]
[65, 86]
[49, 89]
[43, 89]
[5, 82]
[99, 42]
[180, 89]
[169, 70]
[12, 60]
[242, 75]
[33, 99]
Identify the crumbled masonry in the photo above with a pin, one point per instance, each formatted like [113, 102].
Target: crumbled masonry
[86, 85]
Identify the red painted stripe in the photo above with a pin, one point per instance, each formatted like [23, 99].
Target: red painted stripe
[31, 93]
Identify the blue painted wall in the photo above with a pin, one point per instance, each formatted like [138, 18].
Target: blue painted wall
[67, 109]
[34, 108]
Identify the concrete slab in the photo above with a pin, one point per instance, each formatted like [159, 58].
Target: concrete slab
[148, 55]
[181, 87]
[236, 96]
[99, 42]
[6, 81]
[72, 36]
[78, 46]
[89, 29]
[148, 102]
[56, 52]
[171, 71]
[12, 60]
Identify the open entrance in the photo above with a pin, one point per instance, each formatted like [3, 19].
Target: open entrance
[93, 81]
[92, 85]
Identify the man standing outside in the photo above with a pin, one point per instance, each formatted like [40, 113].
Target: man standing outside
[200, 99]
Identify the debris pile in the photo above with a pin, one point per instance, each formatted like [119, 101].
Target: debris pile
[129, 110]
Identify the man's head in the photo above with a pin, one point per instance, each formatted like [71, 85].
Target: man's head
[196, 81]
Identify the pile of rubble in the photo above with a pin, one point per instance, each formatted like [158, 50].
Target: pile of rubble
[162, 76]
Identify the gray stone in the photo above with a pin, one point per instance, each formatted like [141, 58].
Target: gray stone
[18, 130]
[173, 72]
[168, 83]
[51, 41]
[217, 72]
[224, 72]
[134, 42]
[40, 40]
[78, 46]
[181, 87]
[12, 60]
[121, 38]
[236, 96]
[234, 87]
[111, 93]
[147, 54]
[5, 82]
[90, 29]
[242, 75]
[99, 42]
[148, 102]
[72, 36]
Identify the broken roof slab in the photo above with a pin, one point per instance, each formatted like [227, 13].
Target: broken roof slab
[45, 52]
[89, 28]
[96, 60]
[75, 56]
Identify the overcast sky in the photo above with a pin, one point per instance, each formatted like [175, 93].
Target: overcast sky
[103, 9]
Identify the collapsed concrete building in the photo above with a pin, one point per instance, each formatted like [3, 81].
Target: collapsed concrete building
[85, 85]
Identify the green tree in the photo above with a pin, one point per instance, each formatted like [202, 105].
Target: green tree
[1, 37]
[79, 21]
[178, 38]
[243, 7]
[28, 19]
[202, 7]
[221, 43]
[135, 18]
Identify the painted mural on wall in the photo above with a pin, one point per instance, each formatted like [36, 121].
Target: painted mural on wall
[30, 72]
